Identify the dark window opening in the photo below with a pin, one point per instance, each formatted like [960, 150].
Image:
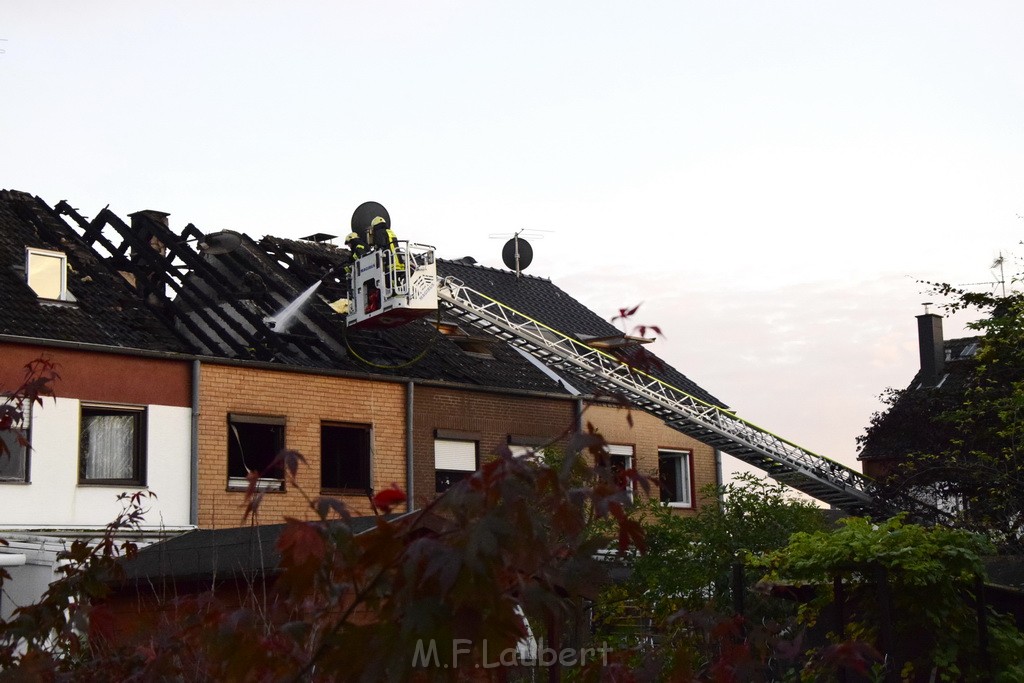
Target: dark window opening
[345, 458]
[111, 446]
[254, 442]
[14, 451]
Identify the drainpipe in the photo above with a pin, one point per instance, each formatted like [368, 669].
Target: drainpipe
[718, 475]
[193, 503]
[409, 489]
[579, 415]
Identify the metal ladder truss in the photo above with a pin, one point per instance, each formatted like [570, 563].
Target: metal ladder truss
[813, 474]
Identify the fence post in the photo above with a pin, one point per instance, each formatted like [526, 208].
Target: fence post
[980, 605]
[737, 588]
[839, 603]
[886, 625]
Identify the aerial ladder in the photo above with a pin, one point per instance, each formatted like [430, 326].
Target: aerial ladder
[810, 473]
[383, 296]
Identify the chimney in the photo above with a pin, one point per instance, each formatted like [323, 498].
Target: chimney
[933, 353]
[143, 223]
[149, 226]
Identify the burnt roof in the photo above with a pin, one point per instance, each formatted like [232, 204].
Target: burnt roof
[106, 309]
[215, 304]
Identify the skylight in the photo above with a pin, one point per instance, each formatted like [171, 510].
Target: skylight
[47, 273]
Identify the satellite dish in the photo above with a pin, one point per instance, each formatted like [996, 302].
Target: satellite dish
[220, 242]
[517, 254]
[365, 213]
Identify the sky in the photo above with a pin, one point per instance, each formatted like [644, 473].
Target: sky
[772, 182]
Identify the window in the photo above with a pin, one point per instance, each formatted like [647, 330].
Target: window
[15, 450]
[674, 478]
[345, 457]
[111, 445]
[46, 273]
[253, 444]
[453, 462]
[621, 459]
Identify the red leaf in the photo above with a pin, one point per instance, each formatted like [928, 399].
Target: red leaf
[388, 498]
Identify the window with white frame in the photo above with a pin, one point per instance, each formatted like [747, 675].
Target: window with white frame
[454, 460]
[621, 459]
[112, 445]
[14, 448]
[674, 478]
[46, 272]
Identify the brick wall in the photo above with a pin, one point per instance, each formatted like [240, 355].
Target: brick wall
[304, 400]
[493, 417]
[647, 435]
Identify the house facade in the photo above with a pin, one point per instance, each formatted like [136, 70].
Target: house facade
[175, 380]
[122, 417]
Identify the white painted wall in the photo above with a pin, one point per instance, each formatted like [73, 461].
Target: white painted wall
[54, 499]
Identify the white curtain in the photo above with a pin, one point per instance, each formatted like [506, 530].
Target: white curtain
[109, 446]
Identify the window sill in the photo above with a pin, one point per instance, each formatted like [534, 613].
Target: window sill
[265, 485]
[679, 506]
[112, 482]
[346, 491]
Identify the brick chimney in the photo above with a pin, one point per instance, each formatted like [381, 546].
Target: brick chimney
[143, 223]
[933, 353]
[147, 225]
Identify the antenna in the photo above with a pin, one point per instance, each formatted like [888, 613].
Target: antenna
[517, 254]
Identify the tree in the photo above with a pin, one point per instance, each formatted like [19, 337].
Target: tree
[961, 444]
[444, 593]
[682, 589]
[908, 589]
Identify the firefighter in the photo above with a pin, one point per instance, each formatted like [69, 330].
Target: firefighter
[356, 245]
[385, 240]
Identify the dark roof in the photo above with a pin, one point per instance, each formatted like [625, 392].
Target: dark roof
[216, 303]
[217, 552]
[907, 427]
[541, 300]
[106, 310]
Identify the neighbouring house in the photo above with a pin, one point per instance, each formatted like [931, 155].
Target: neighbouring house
[939, 383]
[122, 420]
[162, 338]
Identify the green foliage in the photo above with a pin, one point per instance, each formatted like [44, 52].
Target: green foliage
[690, 558]
[930, 573]
[675, 609]
[961, 443]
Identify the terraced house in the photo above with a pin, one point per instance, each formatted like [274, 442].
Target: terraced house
[176, 379]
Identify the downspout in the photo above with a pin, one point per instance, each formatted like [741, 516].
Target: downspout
[409, 490]
[193, 503]
[578, 427]
[718, 476]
